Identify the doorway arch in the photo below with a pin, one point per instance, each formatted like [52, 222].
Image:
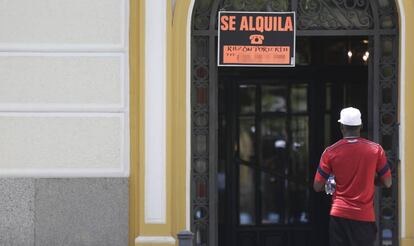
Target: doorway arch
[376, 19]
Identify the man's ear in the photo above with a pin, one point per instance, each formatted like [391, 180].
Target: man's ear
[341, 127]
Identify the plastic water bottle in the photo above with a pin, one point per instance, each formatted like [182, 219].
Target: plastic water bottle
[330, 185]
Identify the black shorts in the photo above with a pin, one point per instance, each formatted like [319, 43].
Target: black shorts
[346, 232]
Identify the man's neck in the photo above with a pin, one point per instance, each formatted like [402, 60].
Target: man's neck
[350, 135]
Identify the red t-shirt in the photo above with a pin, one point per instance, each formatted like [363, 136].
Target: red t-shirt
[353, 162]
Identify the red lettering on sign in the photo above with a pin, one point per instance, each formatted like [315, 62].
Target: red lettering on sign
[224, 23]
[232, 23]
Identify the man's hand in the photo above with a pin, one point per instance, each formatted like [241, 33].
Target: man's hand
[318, 186]
[383, 181]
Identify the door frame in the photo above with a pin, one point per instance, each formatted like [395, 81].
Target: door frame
[186, 7]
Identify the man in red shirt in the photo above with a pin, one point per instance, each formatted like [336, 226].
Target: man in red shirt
[356, 164]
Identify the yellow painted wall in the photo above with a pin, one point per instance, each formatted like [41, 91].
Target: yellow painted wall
[409, 124]
[136, 38]
[178, 103]
[176, 125]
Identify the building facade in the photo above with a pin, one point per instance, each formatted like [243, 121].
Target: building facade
[119, 128]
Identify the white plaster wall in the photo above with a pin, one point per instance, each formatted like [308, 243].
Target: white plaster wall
[82, 80]
[64, 141]
[64, 86]
[62, 22]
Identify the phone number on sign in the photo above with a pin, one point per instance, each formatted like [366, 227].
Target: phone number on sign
[241, 54]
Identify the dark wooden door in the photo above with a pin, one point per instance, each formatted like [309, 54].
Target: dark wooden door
[273, 128]
[269, 169]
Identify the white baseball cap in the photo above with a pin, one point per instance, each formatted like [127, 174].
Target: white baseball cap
[350, 117]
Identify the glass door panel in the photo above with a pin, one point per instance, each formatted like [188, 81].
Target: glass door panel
[299, 98]
[247, 195]
[247, 138]
[273, 154]
[273, 202]
[299, 151]
[247, 99]
[274, 143]
[274, 98]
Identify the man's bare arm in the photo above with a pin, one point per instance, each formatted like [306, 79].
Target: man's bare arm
[318, 186]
